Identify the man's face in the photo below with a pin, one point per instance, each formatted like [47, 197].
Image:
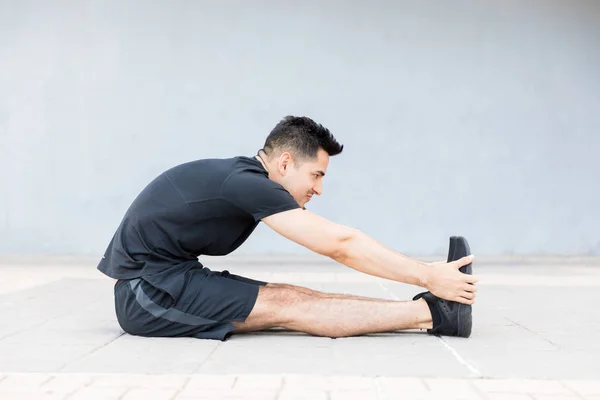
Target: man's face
[305, 179]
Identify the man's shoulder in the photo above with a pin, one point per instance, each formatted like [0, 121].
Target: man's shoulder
[210, 177]
[245, 169]
[230, 164]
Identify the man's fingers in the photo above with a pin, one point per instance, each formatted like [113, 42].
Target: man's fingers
[469, 288]
[468, 295]
[461, 262]
[464, 300]
[470, 278]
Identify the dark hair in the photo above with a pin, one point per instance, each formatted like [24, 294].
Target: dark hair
[302, 136]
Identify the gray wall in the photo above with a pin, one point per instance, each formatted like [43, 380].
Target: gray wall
[463, 117]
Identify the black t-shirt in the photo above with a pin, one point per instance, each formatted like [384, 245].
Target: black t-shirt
[201, 207]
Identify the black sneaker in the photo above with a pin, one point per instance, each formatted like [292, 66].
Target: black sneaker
[462, 249]
[451, 318]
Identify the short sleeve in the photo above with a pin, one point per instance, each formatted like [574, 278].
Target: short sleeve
[256, 194]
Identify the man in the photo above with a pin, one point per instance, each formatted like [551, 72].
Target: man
[211, 207]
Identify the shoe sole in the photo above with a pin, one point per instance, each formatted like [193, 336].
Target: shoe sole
[459, 248]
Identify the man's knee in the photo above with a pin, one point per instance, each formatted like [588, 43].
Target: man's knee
[274, 304]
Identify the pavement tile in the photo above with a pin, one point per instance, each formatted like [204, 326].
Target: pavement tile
[140, 355]
[349, 383]
[374, 354]
[313, 382]
[353, 394]
[210, 382]
[98, 393]
[508, 396]
[149, 394]
[451, 389]
[298, 393]
[231, 394]
[271, 353]
[30, 356]
[30, 396]
[533, 386]
[14, 382]
[258, 382]
[143, 381]
[584, 387]
[402, 386]
[329, 382]
[66, 383]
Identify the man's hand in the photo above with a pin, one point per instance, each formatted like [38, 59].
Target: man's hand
[447, 282]
[434, 263]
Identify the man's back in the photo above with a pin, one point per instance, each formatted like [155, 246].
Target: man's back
[206, 206]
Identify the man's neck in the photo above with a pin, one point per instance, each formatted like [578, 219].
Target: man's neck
[259, 158]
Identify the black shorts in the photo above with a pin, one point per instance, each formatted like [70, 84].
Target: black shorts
[209, 303]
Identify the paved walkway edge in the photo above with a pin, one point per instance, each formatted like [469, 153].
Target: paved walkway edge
[284, 386]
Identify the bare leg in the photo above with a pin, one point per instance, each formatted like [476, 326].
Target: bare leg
[333, 317]
[325, 295]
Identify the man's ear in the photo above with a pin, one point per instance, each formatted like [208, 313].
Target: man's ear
[284, 160]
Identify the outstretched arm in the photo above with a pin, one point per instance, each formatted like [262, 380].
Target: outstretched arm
[357, 250]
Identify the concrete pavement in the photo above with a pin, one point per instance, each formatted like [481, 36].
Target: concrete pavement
[535, 336]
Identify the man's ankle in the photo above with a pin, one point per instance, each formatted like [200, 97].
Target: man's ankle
[425, 320]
